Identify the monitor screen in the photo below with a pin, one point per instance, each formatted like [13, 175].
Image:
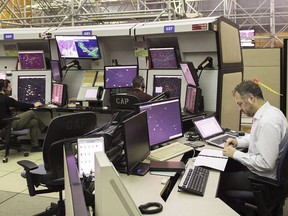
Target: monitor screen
[190, 73]
[59, 94]
[247, 38]
[56, 71]
[32, 60]
[163, 58]
[136, 142]
[78, 46]
[3, 75]
[164, 120]
[31, 88]
[192, 99]
[167, 83]
[119, 76]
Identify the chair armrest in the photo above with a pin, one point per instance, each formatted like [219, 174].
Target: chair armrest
[27, 165]
[264, 180]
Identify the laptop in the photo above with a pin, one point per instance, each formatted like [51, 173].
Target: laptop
[210, 130]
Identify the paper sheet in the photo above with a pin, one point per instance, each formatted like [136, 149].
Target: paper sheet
[211, 158]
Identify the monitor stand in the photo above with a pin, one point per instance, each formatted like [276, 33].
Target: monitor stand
[141, 169]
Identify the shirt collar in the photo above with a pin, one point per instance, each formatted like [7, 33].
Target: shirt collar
[261, 110]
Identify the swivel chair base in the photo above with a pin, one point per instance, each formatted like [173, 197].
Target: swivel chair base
[54, 209]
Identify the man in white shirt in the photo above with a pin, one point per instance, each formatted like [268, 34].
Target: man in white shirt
[268, 129]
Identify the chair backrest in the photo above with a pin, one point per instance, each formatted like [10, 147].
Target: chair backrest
[64, 127]
[282, 170]
[123, 101]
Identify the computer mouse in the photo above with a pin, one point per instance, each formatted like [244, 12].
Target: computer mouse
[241, 133]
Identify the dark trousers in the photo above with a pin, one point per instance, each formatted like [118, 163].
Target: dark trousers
[30, 120]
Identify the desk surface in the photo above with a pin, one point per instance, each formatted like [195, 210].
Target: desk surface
[147, 188]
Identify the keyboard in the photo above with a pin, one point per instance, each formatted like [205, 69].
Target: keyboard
[194, 180]
[220, 139]
[169, 151]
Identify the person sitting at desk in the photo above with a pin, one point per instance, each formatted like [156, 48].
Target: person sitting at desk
[27, 119]
[263, 143]
[138, 89]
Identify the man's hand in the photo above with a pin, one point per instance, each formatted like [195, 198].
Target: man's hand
[231, 141]
[228, 150]
[38, 104]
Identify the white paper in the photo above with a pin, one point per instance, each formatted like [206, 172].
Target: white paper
[211, 158]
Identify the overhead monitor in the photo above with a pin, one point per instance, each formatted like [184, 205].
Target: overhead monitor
[31, 86]
[112, 197]
[171, 84]
[190, 73]
[56, 71]
[193, 99]
[163, 58]
[59, 94]
[32, 60]
[120, 76]
[247, 38]
[78, 46]
[164, 120]
[136, 144]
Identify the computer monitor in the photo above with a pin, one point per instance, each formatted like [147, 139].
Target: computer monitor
[120, 76]
[163, 58]
[3, 75]
[164, 120]
[193, 99]
[190, 73]
[136, 143]
[32, 60]
[78, 46]
[31, 86]
[171, 84]
[59, 94]
[111, 195]
[56, 71]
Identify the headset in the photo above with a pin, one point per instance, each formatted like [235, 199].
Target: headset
[151, 208]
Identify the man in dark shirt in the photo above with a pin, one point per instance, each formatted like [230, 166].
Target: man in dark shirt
[138, 89]
[27, 119]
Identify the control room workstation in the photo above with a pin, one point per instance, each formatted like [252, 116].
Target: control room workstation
[188, 73]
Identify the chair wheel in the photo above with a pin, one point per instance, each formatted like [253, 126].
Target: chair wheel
[5, 160]
[26, 154]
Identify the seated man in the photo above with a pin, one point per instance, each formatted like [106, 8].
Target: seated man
[138, 89]
[263, 143]
[27, 119]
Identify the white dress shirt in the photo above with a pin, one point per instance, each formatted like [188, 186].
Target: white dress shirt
[268, 129]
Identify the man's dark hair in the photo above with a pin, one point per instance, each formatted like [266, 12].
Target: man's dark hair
[248, 87]
[138, 82]
[4, 84]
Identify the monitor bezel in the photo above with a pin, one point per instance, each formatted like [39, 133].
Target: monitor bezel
[41, 52]
[130, 167]
[62, 103]
[180, 118]
[162, 48]
[111, 66]
[78, 57]
[166, 76]
[48, 82]
[193, 73]
[60, 71]
[195, 101]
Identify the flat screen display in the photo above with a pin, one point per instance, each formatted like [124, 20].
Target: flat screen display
[32, 60]
[119, 76]
[167, 83]
[136, 142]
[164, 120]
[58, 94]
[56, 71]
[31, 88]
[190, 73]
[81, 46]
[192, 99]
[163, 58]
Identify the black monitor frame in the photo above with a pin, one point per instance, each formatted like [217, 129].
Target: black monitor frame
[64, 96]
[168, 121]
[178, 77]
[191, 76]
[106, 86]
[136, 143]
[54, 75]
[162, 49]
[196, 99]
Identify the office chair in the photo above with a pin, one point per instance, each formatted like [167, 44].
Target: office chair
[9, 137]
[124, 104]
[268, 195]
[50, 174]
